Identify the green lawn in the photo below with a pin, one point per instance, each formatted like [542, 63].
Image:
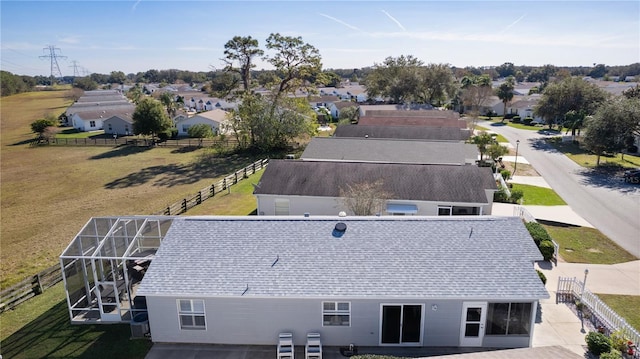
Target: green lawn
[497, 122]
[239, 201]
[627, 306]
[539, 196]
[585, 158]
[40, 328]
[587, 245]
[70, 132]
[499, 138]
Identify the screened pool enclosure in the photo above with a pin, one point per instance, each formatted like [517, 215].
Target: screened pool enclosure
[104, 264]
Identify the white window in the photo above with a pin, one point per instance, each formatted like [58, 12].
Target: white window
[444, 210]
[336, 314]
[282, 207]
[191, 312]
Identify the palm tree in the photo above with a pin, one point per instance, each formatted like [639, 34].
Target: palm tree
[505, 93]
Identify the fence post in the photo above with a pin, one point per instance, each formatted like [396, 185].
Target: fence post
[168, 211]
[224, 183]
[213, 190]
[235, 177]
[184, 205]
[199, 198]
[39, 287]
[245, 173]
[254, 167]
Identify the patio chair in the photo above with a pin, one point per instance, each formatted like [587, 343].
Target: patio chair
[285, 346]
[313, 349]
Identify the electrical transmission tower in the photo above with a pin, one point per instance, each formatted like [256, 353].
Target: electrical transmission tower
[76, 68]
[53, 56]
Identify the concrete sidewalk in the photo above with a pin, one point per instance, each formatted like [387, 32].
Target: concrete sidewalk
[530, 180]
[560, 214]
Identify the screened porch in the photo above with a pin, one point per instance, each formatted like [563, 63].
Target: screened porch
[104, 264]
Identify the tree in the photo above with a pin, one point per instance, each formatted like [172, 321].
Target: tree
[348, 114]
[633, 92]
[364, 198]
[239, 54]
[45, 127]
[482, 140]
[436, 84]
[505, 93]
[295, 62]
[570, 94]
[170, 105]
[135, 94]
[396, 78]
[475, 92]
[85, 83]
[150, 118]
[505, 70]
[495, 151]
[598, 71]
[117, 77]
[200, 131]
[613, 123]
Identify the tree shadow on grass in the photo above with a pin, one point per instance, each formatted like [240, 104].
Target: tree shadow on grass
[24, 142]
[207, 166]
[51, 335]
[121, 151]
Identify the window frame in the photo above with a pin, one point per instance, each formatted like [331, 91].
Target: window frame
[191, 313]
[450, 208]
[510, 316]
[92, 123]
[336, 312]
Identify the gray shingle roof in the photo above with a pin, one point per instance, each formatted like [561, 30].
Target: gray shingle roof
[403, 132]
[458, 184]
[418, 257]
[390, 151]
[412, 121]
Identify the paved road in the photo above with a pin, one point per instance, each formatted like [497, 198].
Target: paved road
[608, 203]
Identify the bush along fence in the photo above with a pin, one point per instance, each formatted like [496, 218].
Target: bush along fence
[32, 286]
[549, 248]
[210, 191]
[593, 309]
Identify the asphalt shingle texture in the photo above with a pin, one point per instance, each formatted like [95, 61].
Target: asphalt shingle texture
[388, 257]
[403, 132]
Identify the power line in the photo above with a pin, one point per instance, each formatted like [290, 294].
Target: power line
[53, 56]
[75, 68]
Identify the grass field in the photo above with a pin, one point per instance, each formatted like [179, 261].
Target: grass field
[585, 158]
[587, 245]
[539, 196]
[49, 192]
[627, 306]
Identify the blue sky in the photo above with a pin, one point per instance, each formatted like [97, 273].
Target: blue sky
[133, 36]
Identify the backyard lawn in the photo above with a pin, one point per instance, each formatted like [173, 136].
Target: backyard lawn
[627, 306]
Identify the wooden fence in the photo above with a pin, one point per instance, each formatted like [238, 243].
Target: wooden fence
[122, 141]
[210, 191]
[32, 286]
[593, 308]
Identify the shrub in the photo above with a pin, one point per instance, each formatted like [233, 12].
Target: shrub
[509, 116]
[619, 341]
[611, 355]
[598, 343]
[538, 232]
[632, 149]
[547, 249]
[527, 121]
[506, 174]
[516, 119]
[543, 277]
[500, 196]
[516, 195]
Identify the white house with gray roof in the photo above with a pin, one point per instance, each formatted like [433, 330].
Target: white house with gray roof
[295, 187]
[371, 281]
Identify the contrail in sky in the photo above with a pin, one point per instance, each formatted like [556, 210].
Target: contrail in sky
[135, 5]
[394, 20]
[513, 23]
[340, 22]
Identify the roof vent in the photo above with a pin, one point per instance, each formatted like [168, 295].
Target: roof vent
[341, 227]
[306, 214]
[342, 214]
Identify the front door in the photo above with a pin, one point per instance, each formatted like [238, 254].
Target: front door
[472, 329]
[109, 301]
[401, 324]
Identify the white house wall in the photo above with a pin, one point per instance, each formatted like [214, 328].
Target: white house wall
[299, 205]
[85, 125]
[194, 121]
[257, 321]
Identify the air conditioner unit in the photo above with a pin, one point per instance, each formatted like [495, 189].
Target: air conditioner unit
[140, 326]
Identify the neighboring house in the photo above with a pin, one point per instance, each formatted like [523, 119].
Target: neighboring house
[297, 187]
[370, 110]
[371, 281]
[90, 118]
[322, 101]
[403, 132]
[216, 118]
[372, 150]
[524, 106]
[116, 125]
[336, 107]
[416, 121]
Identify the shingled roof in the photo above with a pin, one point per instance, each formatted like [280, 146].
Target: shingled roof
[461, 184]
[403, 132]
[412, 121]
[475, 258]
[389, 151]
